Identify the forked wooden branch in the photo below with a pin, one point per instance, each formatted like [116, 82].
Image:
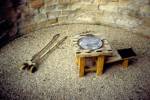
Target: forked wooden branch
[48, 49]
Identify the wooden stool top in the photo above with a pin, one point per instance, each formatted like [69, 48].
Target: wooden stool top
[105, 50]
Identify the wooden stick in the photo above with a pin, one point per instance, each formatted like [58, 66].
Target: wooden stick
[56, 45]
[82, 65]
[37, 61]
[40, 53]
[32, 64]
[125, 63]
[100, 65]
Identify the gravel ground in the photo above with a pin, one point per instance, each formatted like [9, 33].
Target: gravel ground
[57, 77]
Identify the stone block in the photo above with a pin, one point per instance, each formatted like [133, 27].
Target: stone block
[37, 4]
[39, 18]
[63, 19]
[37, 26]
[112, 7]
[145, 11]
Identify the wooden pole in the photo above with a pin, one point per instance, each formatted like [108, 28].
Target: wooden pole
[82, 65]
[100, 65]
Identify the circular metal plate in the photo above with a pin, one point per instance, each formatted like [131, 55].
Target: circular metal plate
[90, 42]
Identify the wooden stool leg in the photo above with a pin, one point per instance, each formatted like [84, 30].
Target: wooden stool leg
[82, 66]
[100, 65]
[77, 60]
[125, 63]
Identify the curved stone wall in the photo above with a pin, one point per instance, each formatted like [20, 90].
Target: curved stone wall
[127, 14]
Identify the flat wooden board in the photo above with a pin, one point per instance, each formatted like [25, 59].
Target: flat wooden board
[114, 58]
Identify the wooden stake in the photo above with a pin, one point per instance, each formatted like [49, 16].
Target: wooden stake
[82, 65]
[77, 60]
[125, 63]
[100, 65]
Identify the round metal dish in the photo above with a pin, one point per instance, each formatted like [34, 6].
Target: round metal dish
[90, 42]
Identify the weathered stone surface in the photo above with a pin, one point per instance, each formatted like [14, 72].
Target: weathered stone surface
[126, 14]
[37, 26]
[145, 11]
[39, 18]
[37, 3]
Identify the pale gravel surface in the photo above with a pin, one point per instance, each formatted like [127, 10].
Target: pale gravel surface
[57, 77]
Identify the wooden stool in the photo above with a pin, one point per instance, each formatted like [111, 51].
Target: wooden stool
[99, 65]
[100, 54]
